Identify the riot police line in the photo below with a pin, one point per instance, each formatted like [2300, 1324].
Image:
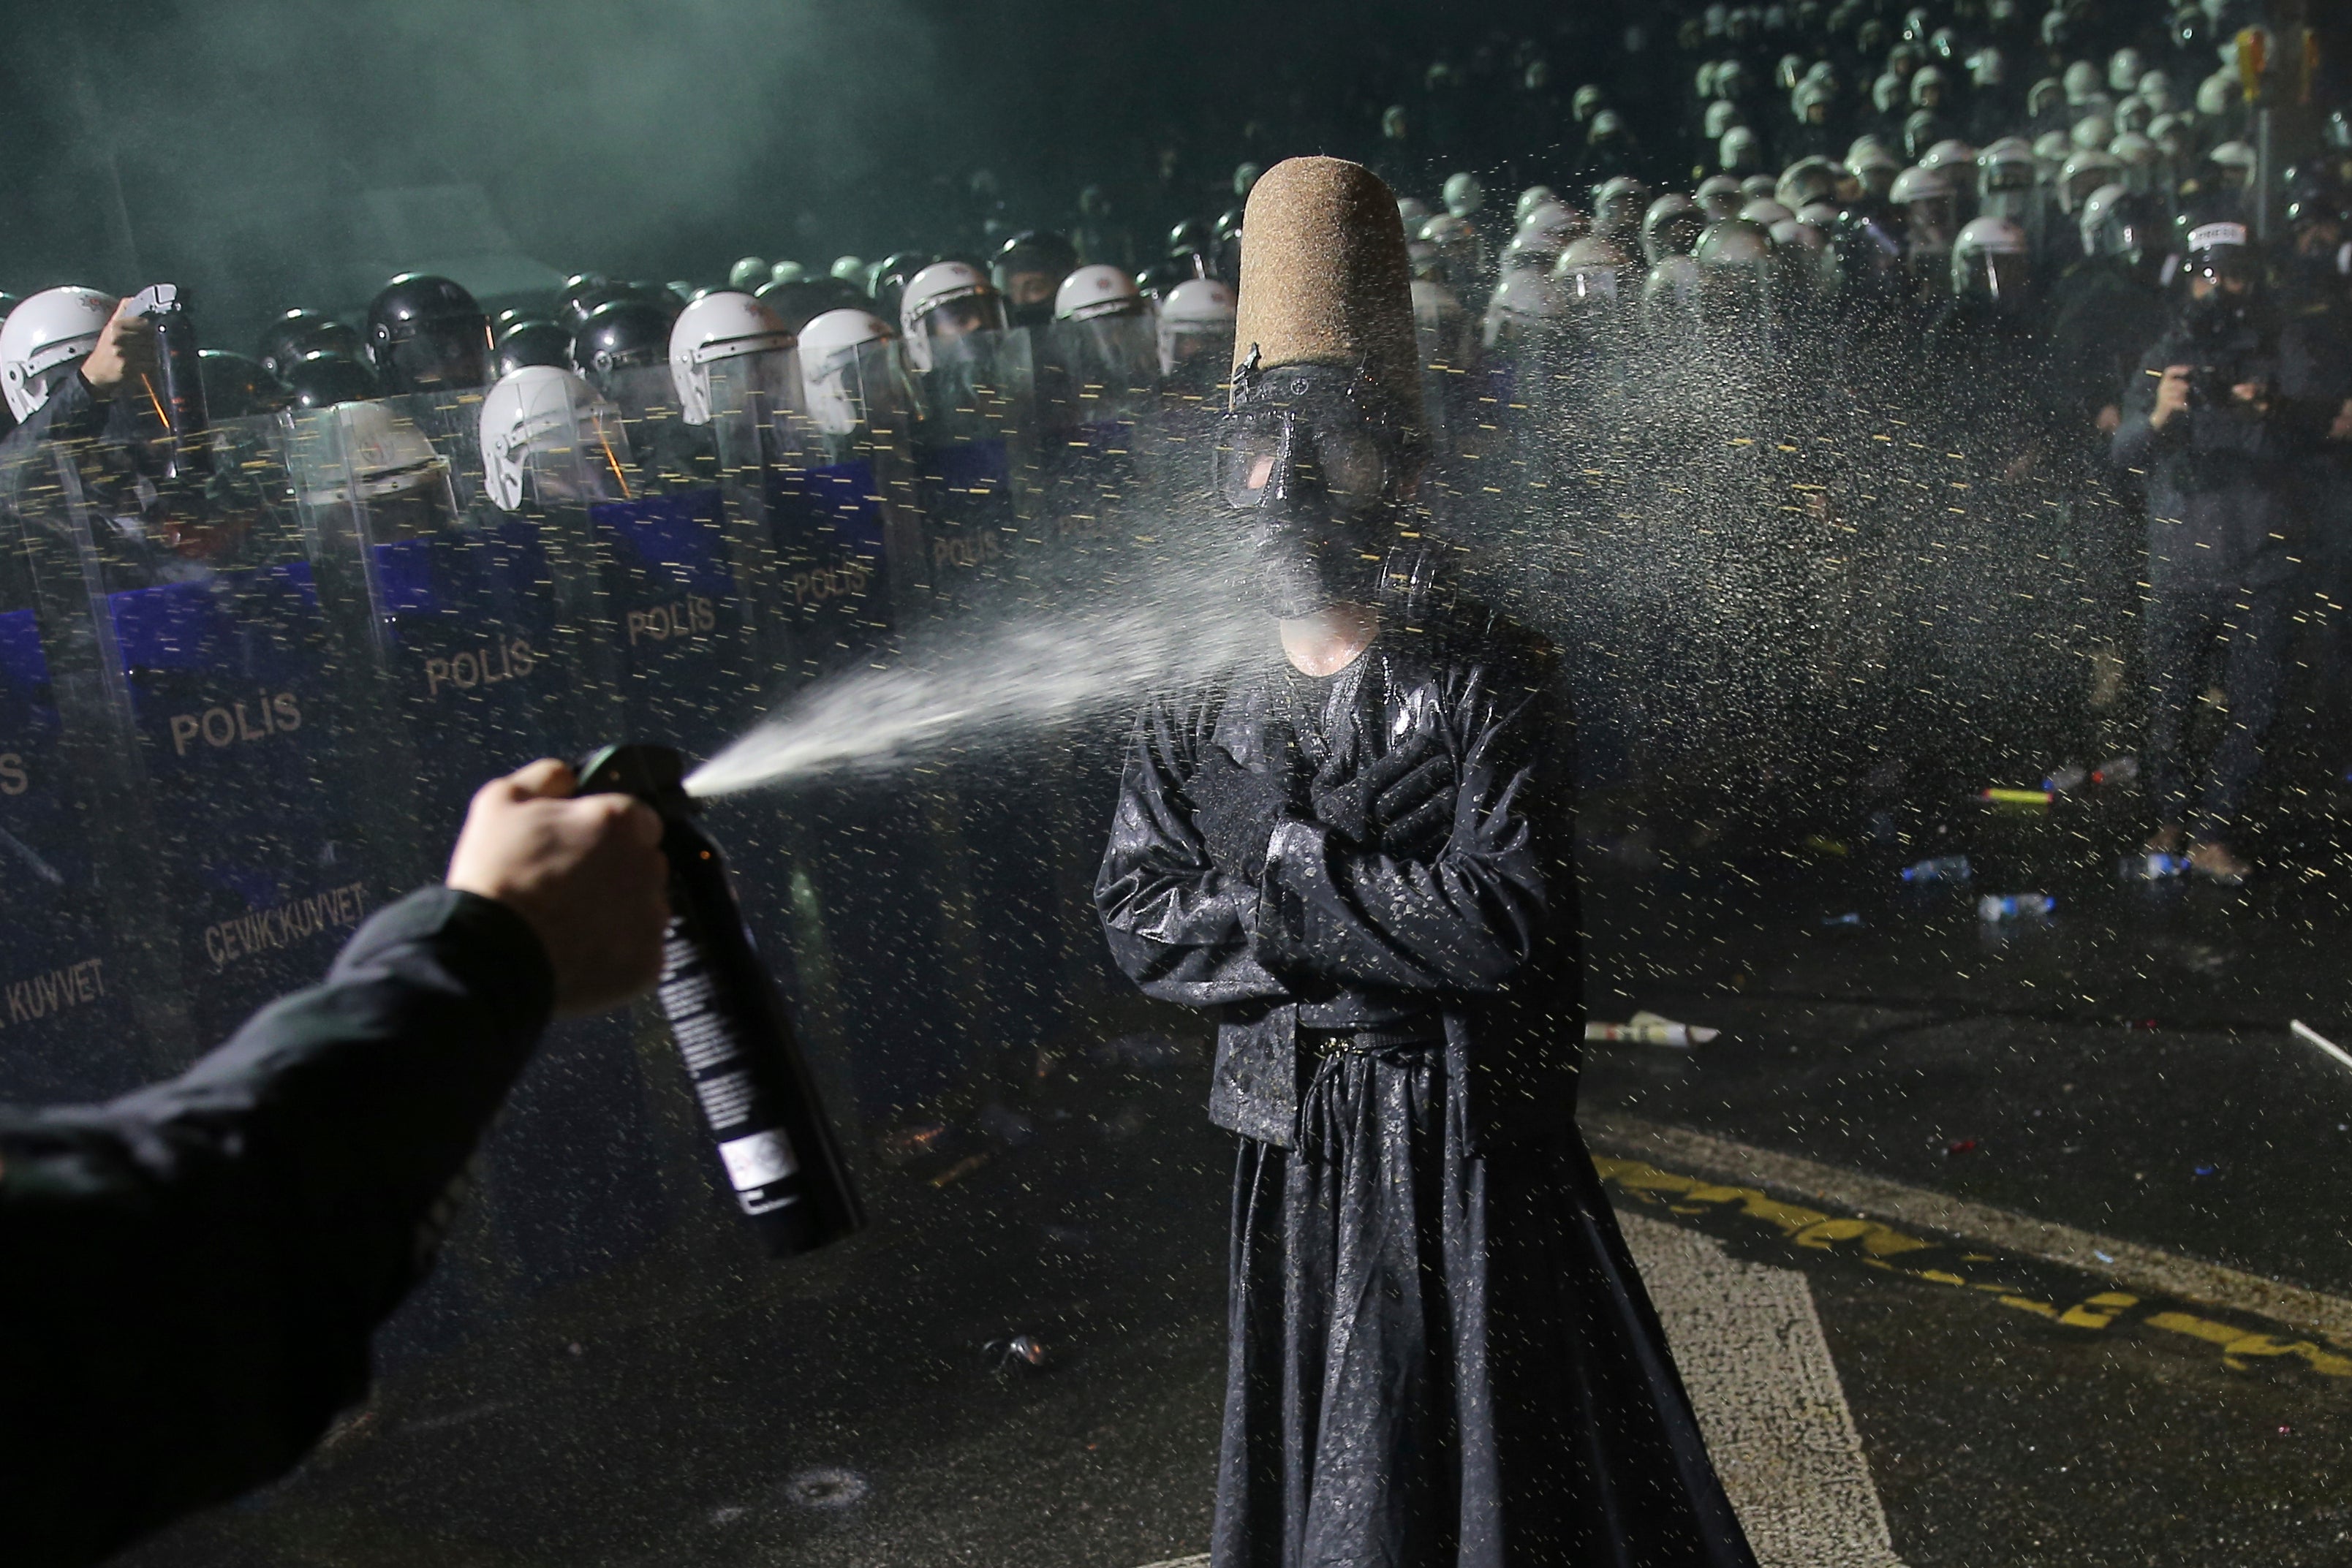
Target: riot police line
[255, 662]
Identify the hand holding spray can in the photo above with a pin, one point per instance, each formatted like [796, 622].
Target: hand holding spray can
[176, 394]
[757, 1097]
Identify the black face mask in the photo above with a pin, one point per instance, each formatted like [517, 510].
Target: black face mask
[2218, 314]
[1311, 461]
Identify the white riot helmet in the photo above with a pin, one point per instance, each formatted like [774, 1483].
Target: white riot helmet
[1721, 116]
[2125, 67]
[1462, 194]
[1952, 156]
[1530, 251]
[2155, 90]
[2238, 162]
[1555, 221]
[2137, 154]
[548, 422]
[950, 298]
[1589, 281]
[2080, 81]
[1523, 307]
[748, 273]
[829, 347]
[1766, 212]
[2083, 173]
[1413, 212]
[723, 325]
[54, 328]
[2007, 176]
[1875, 167]
[1096, 290]
[2214, 93]
[1740, 150]
[1719, 196]
[1536, 196]
[1671, 227]
[1196, 321]
[1989, 262]
[2093, 131]
[2094, 215]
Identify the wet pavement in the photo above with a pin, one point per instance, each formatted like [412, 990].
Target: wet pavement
[698, 1405]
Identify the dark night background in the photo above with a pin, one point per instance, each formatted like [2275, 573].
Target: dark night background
[263, 152]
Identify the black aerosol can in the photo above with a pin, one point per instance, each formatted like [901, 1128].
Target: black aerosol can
[757, 1097]
[176, 395]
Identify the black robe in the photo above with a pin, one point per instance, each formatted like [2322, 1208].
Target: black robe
[1440, 1352]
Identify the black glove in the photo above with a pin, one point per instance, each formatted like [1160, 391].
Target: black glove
[1237, 809]
[1395, 802]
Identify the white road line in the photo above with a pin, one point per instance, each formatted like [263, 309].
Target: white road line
[1751, 1352]
[2131, 1264]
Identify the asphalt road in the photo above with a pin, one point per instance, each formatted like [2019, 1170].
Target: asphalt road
[1845, 1206]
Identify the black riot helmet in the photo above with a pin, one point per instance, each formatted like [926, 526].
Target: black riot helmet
[321, 380]
[890, 276]
[1226, 258]
[580, 294]
[1027, 269]
[2224, 270]
[236, 385]
[299, 333]
[528, 341]
[625, 335]
[425, 333]
[2128, 229]
[1191, 235]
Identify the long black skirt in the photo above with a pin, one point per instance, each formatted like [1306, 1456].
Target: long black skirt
[1445, 1362]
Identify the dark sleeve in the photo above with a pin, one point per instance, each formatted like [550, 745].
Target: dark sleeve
[1179, 928]
[2137, 443]
[193, 1272]
[1464, 921]
[72, 414]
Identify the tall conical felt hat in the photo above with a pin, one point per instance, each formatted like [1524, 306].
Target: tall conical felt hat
[1324, 276]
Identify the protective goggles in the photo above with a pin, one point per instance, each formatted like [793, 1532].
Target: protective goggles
[1306, 428]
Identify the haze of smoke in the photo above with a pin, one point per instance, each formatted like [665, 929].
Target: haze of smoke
[1012, 682]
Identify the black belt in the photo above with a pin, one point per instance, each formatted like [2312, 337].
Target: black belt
[1369, 1041]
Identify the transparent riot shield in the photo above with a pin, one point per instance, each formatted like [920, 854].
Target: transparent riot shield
[1096, 381]
[465, 645]
[976, 460]
[448, 603]
[184, 611]
[820, 455]
[649, 592]
[88, 978]
[816, 459]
